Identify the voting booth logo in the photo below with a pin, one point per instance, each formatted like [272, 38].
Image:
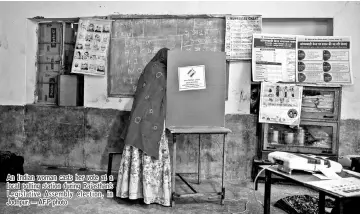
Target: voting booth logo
[191, 72]
[192, 78]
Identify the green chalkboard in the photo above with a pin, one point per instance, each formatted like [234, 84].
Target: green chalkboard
[134, 41]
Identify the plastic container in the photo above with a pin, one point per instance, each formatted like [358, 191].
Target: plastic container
[288, 137]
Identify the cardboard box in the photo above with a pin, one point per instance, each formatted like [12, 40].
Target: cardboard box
[50, 37]
[53, 67]
[48, 77]
[54, 58]
[48, 92]
[45, 49]
[68, 90]
[50, 32]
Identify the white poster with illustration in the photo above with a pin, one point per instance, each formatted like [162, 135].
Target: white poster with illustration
[280, 103]
[192, 78]
[91, 48]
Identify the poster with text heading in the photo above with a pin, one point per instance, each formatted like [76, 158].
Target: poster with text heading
[91, 48]
[238, 37]
[280, 103]
[324, 60]
[192, 78]
[274, 58]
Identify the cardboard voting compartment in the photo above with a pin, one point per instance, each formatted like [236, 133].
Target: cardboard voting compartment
[203, 103]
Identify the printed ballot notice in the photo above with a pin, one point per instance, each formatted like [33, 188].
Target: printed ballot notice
[192, 78]
[55, 190]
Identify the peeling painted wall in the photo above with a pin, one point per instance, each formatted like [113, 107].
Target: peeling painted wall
[349, 137]
[12, 135]
[54, 136]
[83, 137]
[17, 70]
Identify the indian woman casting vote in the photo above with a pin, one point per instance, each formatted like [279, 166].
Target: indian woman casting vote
[145, 170]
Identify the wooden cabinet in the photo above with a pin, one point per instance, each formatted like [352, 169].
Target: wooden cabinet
[318, 131]
[320, 103]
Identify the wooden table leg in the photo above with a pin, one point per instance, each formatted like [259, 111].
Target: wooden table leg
[174, 169]
[199, 159]
[110, 162]
[321, 202]
[267, 192]
[339, 206]
[223, 171]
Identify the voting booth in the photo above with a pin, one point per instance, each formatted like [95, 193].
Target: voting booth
[189, 103]
[196, 91]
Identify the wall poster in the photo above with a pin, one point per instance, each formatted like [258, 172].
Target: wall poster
[192, 78]
[274, 58]
[280, 103]
[324, 60]
[239, 32]
[91, 48]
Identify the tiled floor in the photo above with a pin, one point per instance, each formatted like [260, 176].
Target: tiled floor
[240, 198]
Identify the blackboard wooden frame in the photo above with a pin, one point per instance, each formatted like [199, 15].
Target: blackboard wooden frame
[158, 16]
[147, 16]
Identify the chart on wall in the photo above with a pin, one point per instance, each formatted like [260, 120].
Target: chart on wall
[134, 42]
[239, 32]
[274, 58]
[91, 48]
[324, 60]
[280, 103]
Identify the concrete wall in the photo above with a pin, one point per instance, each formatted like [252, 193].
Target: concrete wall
[82, 137]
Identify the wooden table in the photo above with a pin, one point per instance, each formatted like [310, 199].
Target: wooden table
[302, 178]
[196, 130]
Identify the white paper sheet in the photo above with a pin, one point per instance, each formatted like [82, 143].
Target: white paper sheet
[274, 58]
[192, 78]
[330, 173]
[280, 103]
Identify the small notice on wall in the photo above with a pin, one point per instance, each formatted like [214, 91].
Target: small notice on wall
[324, 60]
[280, 103]
[192, 78]
[91, 48]
[239, 31]
[274, 58]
